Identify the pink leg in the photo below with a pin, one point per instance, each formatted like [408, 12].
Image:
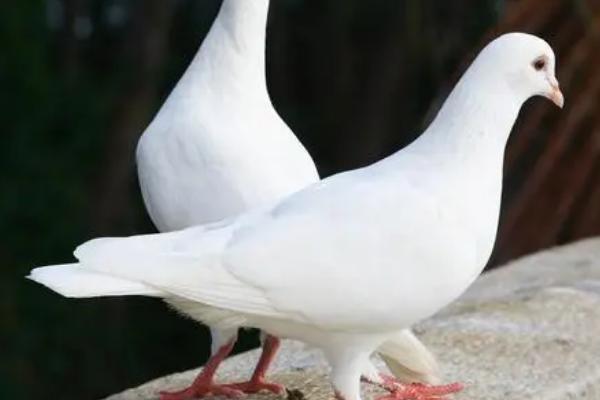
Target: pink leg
[258, 382]
[203, 384]
[416, 391]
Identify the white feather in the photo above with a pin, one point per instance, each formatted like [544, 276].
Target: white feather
[217, 147]
[71, 280]
[182, 264]
[347, 263]
[409, 360]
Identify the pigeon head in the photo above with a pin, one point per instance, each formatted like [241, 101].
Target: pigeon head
[526, 63]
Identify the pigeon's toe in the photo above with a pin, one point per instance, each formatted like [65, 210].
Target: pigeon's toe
[199, 391]
[417, 391]
[259, 385]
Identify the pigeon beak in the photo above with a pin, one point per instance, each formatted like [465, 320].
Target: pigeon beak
[555, 94]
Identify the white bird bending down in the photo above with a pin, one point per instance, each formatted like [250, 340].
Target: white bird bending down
[218, 148]
[347, 262]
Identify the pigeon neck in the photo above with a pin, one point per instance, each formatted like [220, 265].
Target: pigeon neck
[245, 22]
[477, 116]
[232, 56]
[238, 40]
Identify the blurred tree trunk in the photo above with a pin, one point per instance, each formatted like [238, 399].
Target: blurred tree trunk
[75, 13]
[553, 158]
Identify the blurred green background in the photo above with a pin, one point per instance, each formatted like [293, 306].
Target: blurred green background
[355, 79]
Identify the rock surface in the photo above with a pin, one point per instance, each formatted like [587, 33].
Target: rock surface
[530, 330]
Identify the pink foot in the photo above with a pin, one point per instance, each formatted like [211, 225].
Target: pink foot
[204, 385]
[257, 385]
[197, 391]
[417, 391]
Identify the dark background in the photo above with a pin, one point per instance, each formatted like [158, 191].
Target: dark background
[355, 79]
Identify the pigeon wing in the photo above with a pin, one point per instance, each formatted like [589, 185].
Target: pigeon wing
[329, 255]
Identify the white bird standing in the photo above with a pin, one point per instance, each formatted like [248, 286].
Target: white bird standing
[347, 262]
[218, 148]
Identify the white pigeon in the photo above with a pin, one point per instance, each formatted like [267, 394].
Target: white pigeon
[218, 148]
[348, 262]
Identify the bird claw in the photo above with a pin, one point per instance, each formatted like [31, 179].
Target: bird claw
[416, 391]
[255, 386]
[200, 391]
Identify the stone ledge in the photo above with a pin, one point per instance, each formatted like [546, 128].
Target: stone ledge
[526, 331]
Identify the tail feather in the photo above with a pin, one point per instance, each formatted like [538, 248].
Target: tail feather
[409, 360]
[72, 280]
[186, 264]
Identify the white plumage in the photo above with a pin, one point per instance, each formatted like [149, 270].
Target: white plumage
[348, 262]
[217, 147]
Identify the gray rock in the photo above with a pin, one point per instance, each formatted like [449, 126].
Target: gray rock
[526, 331]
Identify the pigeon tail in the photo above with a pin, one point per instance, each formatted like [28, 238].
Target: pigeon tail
[73, 280]
[409, 360]
[185, 266]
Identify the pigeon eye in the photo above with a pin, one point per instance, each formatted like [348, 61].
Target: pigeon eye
[539, 64]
